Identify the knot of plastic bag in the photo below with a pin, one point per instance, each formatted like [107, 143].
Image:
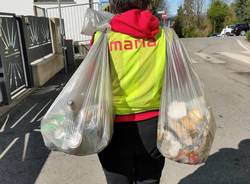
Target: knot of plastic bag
[104, 27]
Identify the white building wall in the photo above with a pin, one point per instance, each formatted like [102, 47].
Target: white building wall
[24, 7]
[19, 7]
[73, 17]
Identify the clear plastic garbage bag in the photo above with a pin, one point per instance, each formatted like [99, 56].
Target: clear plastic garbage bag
[186, 126]
[93, 20]
[80, 121]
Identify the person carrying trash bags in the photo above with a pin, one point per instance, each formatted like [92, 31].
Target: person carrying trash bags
[134, 100]
[137, 47]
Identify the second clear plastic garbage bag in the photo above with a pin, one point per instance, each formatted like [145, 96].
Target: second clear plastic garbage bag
[186, 127]
[80, 121]
[93, 20]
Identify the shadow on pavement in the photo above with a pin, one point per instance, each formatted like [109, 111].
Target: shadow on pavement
[22, 150]
[228, 166]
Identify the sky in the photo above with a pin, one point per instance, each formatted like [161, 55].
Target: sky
[174, 6]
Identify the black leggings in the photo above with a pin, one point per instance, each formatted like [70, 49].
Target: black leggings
[132, 156]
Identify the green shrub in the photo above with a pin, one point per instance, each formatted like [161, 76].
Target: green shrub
[248, 35]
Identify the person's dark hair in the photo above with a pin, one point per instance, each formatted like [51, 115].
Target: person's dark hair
[120, 6]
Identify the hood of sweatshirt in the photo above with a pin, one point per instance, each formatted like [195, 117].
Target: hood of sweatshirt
[137, 23]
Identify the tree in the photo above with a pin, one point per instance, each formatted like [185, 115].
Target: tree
[178, 22]
[217, 13]
[198, 7]
[188, 8]
[189, 24]
[247, 18]
[157, 5]
[242, 10]
[185, 22]
[231, 18]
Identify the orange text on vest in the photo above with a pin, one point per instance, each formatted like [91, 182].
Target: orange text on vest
[130, 44]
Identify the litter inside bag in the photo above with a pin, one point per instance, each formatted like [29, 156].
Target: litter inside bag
[93, 20]
[186, 126]
[80, 121]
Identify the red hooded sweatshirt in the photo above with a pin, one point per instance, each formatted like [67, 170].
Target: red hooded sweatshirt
[139, 24]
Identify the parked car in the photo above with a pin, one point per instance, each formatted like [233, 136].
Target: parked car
[241, 29]
[228, 31]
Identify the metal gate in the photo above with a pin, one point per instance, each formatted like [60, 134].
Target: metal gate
[73, 16]
[11, 54]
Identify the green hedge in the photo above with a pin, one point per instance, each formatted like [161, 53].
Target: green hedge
[248, 35]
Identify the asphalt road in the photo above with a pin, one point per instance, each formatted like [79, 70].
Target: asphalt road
[224, 66]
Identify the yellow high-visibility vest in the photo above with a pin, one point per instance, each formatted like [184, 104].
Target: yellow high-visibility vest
[137, 69]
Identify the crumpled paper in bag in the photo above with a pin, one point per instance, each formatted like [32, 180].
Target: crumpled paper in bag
[186, 126]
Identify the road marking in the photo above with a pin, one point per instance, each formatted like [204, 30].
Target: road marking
[21, 118]
[3, 127]
[39, 112]
[37, 130]
[238, 57]
[26, 141]
[7, 149]
[242, 45]
[209, 58]
[194, 61]
[245, 52]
